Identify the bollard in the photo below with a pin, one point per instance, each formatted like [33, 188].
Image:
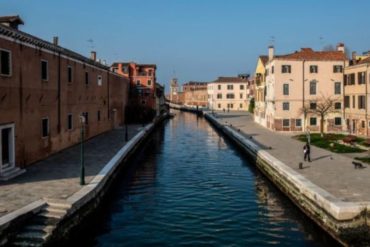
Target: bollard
[300, 165]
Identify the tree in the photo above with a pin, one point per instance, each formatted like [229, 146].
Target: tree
[322, 107]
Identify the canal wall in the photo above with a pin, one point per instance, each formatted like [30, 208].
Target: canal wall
[347, 222]
[79, 205]
[193, 109]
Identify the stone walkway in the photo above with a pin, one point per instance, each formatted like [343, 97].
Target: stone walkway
[332, 172]
[58, 176]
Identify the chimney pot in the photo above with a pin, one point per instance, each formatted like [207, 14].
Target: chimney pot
[340, 47]
[93, 55]
[55, 40]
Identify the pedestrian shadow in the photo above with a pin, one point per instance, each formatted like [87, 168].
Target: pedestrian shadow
[321, 157]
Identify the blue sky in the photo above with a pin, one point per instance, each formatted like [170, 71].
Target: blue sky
[194, 39]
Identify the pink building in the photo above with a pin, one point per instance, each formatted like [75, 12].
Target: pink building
[300, 80]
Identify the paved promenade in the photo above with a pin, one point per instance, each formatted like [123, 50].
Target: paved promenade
[332, 172]
[58, 177]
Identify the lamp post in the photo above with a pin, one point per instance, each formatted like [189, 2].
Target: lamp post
[82, 161]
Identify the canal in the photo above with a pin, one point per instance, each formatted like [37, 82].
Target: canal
[189, 186]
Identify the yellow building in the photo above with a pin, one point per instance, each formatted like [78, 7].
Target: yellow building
[260, 92]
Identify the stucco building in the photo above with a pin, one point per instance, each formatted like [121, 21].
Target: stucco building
[142, 79]
[195, 94]
[44, 91]
[228, 93]
[301, 80]
[357, 96]
[260, 90]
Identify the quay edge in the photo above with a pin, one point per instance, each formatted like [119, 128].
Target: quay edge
[346, 222]
[82, 203]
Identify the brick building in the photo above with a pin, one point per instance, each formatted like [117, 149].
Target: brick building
[195, 93]
[142, 79]
[44, 89]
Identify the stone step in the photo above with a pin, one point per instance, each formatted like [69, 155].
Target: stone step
[11, 173]
[40, 228]
[56, 215]
[60, 204]
[58, 211]
[26, 244]
[31, 236]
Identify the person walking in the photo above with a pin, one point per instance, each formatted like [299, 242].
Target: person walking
[307, 152]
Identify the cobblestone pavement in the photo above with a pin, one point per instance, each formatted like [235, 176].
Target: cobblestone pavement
[332, 172]
[58, 176]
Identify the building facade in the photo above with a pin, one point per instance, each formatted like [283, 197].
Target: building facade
[357, 96]
[260, 90]
[142, 79]
[228, 94]
[195, 94]
[44, 91]
[298, 83]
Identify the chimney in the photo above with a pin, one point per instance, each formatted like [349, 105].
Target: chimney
[11, 21]
[340, 47]
[93, 55]
[271, 52]
[55, 40]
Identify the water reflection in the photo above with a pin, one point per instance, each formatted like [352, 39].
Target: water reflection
[191, 187]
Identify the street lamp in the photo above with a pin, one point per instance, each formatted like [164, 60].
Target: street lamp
[82, 175]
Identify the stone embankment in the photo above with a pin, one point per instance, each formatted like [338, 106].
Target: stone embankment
[346, 221]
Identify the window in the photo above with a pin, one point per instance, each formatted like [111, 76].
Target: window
[230, 87]
[100, 80]
[272, 69]
[150, 72]
[298, 123]
[219, 96]
[5, 63]
[44, 70]
[45, 127]
[313, 121]
[286, 123]
[86, 77]
[314, 68]
[362, 124]
[338, 121]
[337, 68]
[240, 105]
[69, 74]
[351, 79]
[230, 96]
[337, 105]
[313, 105]
[337, 88]
[346, 101]
[285, 106]
[285, 89]
[241, 87]
[241, 96]
[286, 69]
[361, 77]
[219, 87]
[231, 106]
[98, 116]
[313, 87]
[69, 121]
[138, 83]
[219, 106]
[361, 102]
[353, 101]
[149, 82]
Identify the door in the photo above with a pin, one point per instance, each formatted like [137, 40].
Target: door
[6, 146]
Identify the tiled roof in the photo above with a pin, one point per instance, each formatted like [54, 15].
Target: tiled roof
[27, 38]
[11, 18]
[264, 59]
[115, 64]
[363, 61]
[309, 54]
[230, 79]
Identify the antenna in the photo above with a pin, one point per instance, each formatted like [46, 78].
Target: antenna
[91, 41]
[272, 40]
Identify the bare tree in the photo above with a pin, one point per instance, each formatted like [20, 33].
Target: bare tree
[323, 107]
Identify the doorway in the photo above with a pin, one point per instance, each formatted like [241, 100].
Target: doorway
[7, 146]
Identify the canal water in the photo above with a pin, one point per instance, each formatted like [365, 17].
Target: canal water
[190, 186]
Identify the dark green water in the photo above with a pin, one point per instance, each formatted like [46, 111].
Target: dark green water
[191, 187]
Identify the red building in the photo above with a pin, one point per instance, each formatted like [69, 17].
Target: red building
[142, 79]
[44, 91]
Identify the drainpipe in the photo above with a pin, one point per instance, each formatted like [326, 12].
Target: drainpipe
[366, 123]
[59, 93]
[303, 96]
